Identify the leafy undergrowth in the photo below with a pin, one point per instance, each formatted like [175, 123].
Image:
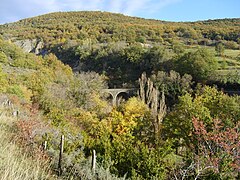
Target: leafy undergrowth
[15, 162]
[22, 156]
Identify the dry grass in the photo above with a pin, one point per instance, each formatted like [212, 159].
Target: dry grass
[15, 164]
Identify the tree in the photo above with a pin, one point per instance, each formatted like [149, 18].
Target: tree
[178, 48]
[219, 48]
[200, 64]
[85, 87]
[126, 137]
[134, 53]
[156, 102]
[207, 104]
[173, 85]
[205, 130]
[156, 57]
[217, 149]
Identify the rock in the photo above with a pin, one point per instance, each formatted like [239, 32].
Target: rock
[27, 45]
[39, 47]
[35, 46]
[144, 45]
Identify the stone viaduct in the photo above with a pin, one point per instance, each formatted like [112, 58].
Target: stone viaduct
[116, 92]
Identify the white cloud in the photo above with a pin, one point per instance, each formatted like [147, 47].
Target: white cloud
[161, 4]
[115, 6]
[135, 5]
[12, 10]
[68, 5]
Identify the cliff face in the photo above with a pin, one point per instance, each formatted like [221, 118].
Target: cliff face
[34, 46]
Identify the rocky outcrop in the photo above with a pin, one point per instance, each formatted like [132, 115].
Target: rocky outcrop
[34, 46]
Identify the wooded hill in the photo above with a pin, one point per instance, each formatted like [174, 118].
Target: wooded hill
[177, 127]
[112, 44]
[104, 27]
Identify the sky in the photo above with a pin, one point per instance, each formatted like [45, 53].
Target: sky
[169, 10]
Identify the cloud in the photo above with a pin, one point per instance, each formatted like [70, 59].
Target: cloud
[134, 7]
[161, 4]
[12, 10]
[115, 6]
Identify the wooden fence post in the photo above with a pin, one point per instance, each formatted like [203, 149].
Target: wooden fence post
[93, 161]
[45, 146]
[60, 155]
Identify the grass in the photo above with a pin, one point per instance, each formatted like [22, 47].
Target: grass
[228, 60]
[226, 63]
[232, 53]
[15, 164]
[223, 72]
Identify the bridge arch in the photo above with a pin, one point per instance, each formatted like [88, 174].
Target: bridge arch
[116, 92]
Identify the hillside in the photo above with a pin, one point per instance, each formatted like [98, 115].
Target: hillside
[97, 41]
[178, 120]
[16, 161]
[40, 100]
[106, 27]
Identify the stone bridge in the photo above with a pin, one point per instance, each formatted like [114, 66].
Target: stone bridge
[116, 92]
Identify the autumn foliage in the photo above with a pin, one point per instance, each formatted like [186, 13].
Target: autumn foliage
[217, 148]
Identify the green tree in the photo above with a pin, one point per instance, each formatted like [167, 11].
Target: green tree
[85, 87]
[156, 57]
[201, 64]
[173, 85]
[206, 104]
[126, 137]
[178, 48]
[219, 48]
[134, 53]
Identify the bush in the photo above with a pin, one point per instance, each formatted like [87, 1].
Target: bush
[15, 89]
[16, 163]
[3, 81]
[3, 57]
[25, 63]
[231, 45]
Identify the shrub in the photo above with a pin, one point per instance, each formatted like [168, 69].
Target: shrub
[15, 89]
[3, 57]
[3, 81]
[16, 162]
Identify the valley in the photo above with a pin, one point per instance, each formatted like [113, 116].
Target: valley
[152, 98]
